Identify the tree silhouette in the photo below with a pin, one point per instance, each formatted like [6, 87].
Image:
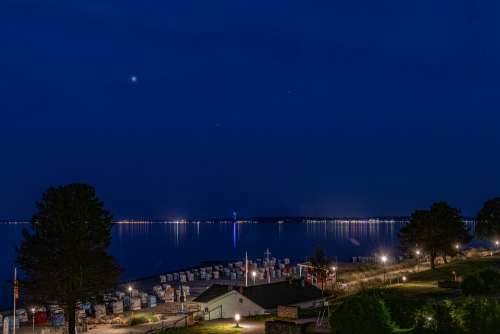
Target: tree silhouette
[488, 219]
[435, 232]
[63, 256]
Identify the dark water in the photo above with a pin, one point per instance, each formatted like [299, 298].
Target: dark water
[147, 249]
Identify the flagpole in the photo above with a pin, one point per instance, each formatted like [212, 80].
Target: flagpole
[15, 295]
[246, 268]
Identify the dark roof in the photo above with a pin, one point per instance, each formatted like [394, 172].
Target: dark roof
[212, 292]
[282, 293]
[268, 296]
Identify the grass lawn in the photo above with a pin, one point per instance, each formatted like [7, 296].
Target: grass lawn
[420, 290]
[207, 328]
[142, 318]
[461, 267]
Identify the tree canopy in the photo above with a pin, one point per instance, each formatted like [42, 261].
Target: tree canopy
[362, 313]
[488, 219]
[434, 232]
[63, 256]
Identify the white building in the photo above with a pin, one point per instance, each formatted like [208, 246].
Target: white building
[224, 301]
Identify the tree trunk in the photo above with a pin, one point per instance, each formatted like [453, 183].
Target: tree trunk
[433, 259]
[445, 259]
[70, 313]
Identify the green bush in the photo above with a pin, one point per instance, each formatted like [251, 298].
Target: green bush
[401, 307]
[361, 313]
[470, 316]
[481, 315]
[483, 282]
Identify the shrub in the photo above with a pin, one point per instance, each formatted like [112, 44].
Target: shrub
[441, 318]
[402, 308]
[481, 315]
[472, 285]
[483, 282]
[362, 313]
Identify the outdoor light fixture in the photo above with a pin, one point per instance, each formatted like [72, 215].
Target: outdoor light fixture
[457, 246]
[33, 310]
[429, 318]
[383, 258]
[497, 243]
[404, 279]
[237, 318]
[129, 288]
[254, 274]
[334, 268]
[417, 252]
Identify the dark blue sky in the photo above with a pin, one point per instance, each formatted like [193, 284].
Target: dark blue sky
[283, 107]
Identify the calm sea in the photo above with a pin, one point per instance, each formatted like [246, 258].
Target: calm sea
[144, 249]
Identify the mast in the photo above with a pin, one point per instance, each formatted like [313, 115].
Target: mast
[15, 297]
[246, 268]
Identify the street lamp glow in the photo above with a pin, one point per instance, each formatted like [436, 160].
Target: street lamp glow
[417, 252]
[334, 268]
[33, 309]
[237, 318]
[404, 278]
[383, 258]
[497, 243]
[129, 288]
[457, 246]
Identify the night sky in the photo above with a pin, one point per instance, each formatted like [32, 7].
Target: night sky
[179, 108]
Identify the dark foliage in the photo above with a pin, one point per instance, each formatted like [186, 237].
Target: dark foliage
[481, 315]
[488, 219]
[63, 256]
[484, 282]
[362, 313]
[434, 232]
[402, 308]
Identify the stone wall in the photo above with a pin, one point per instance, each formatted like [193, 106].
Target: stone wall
[288, 312]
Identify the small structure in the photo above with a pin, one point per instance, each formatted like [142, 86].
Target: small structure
[224, 301]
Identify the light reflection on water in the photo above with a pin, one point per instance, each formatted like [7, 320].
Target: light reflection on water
[148, 248]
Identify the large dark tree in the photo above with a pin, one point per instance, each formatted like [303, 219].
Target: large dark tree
[63, 256]
[488, 219]
[452, 226]
[434, 232]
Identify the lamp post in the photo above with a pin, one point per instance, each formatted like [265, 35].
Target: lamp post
[33, 316]
[383, 258]
[417, 252]
[254, 275]
[497, 243]
[130, 298]
[237, 318]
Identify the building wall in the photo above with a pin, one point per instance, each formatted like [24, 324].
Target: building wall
[229, 304]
